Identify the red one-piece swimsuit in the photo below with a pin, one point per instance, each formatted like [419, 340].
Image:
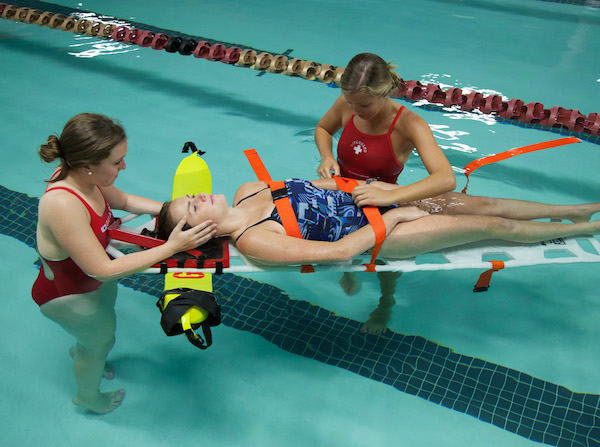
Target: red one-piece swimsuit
[363, 157]
[68, 278]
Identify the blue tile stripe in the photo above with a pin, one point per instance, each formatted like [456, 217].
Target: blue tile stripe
[512, 400]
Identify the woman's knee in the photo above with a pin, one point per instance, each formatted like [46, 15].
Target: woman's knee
[97, 346]
[486, 205]
[499, 227]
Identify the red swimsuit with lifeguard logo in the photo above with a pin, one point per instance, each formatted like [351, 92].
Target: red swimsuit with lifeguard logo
[364, 156]
[69, 279]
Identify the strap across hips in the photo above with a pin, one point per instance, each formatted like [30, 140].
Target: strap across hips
[288, 217]
[373, 216]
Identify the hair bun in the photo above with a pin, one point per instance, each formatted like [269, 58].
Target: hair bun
[51, 150]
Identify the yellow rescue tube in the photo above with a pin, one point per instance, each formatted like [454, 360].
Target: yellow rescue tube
[192, 177]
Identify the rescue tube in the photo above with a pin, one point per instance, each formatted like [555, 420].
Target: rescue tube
[187, 302]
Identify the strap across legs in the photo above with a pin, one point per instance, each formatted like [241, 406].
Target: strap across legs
[475, 164]
[484, 280]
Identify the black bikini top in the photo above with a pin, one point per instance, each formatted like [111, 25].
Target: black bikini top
[274, 215]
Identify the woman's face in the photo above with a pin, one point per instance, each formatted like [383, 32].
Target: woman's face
[106, 172]
[364, 105]
[199, 208]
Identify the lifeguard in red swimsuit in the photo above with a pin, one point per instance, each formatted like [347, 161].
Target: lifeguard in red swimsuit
[377, 140]
[76, 286]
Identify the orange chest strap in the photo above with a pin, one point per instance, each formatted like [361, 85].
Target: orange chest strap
[280, 199]
[279, 193]
[373, 216]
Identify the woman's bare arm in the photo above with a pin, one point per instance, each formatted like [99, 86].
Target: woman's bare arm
[272, 248]
[326, 128]
[65, 232]
[131, 203]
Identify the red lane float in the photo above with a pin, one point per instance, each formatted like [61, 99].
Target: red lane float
[202, 49]
[232, 55]
[434, 94]
[592, 124]
[216, 52]
[413, 90]
[145, 38]
[119, 33]
[159, 41]
[513, 109]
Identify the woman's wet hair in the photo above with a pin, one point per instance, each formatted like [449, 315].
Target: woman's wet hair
[369, 73]
[165, 222]
[86, 139]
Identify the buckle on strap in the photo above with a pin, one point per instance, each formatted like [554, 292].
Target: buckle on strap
[280, 193]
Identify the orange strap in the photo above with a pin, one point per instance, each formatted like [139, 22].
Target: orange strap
[475, 164]
[373, 216]
[280, 199]
[483, 283]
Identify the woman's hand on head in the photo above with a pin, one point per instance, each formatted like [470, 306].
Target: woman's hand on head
[327, 167]
[183, 240]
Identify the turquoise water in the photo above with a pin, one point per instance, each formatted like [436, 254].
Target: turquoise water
[250, 388]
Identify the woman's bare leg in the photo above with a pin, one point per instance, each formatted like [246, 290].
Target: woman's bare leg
[109, 370]
[90, 318]
[380, 317]
[435, 232]
[457, 203]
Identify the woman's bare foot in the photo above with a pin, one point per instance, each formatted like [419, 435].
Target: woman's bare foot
[350, 283]
[380, 317]
[584, 213]
[105, 403]
[109, 370]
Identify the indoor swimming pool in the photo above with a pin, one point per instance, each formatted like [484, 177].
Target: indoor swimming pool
[289, 366]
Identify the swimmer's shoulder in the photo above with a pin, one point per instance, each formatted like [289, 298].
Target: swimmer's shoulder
[247, 189]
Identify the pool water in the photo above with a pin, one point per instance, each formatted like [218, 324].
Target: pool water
[289, 365]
